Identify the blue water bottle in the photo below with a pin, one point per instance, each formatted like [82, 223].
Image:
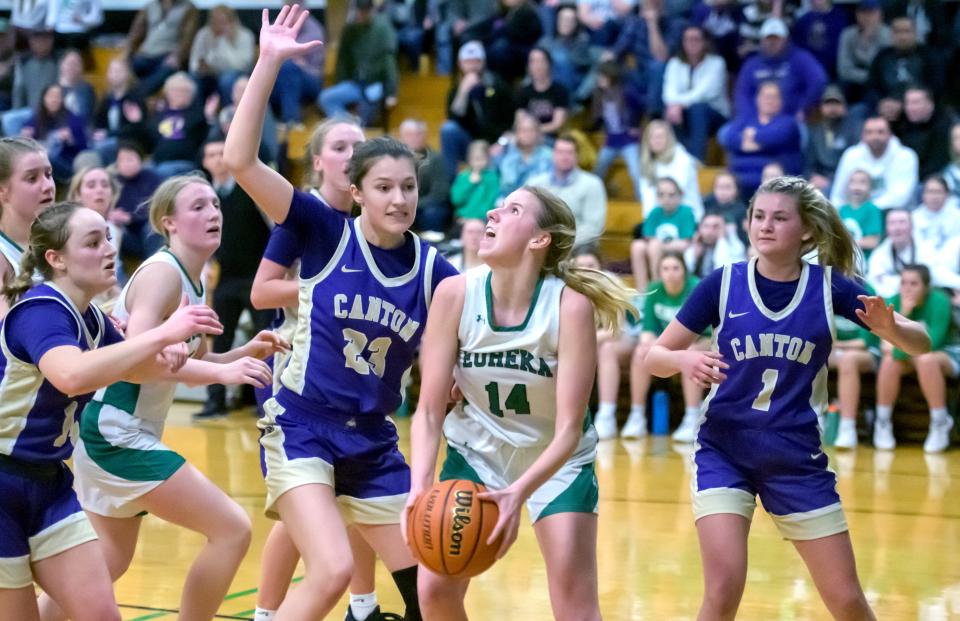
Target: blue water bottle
[661, 413]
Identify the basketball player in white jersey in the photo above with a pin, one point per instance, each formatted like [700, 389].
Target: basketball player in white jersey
[519, 336]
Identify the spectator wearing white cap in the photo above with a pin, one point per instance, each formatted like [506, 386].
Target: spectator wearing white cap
[795, 70]
[479, 107]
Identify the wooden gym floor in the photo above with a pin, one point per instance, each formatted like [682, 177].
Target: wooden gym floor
[903, 509]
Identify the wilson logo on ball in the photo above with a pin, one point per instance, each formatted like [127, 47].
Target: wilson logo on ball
[449, 526]
[461, 519]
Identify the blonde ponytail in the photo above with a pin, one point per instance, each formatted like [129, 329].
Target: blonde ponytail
[828, 235]
[610, 298]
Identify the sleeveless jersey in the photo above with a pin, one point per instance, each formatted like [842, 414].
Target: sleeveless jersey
[358, 330]
[12, 252]
[37, 421]
[778, 360]
[507, 374]
[150, 401]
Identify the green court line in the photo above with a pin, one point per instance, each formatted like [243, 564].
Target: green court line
[243, 613]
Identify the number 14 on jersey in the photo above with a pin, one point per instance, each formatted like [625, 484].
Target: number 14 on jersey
[516, 399]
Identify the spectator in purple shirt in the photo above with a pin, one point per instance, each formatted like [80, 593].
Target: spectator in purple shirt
[756, 138]
[798, 74]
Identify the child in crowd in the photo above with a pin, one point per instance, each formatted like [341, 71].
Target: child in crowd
[862, 218]
[476, 188]
[724, 198]
[670, 226]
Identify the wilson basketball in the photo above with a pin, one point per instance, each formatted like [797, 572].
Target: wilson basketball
[449, 527]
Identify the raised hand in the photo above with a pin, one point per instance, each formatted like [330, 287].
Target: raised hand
[279, 39]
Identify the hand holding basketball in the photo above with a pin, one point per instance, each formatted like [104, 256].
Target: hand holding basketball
[509, 502]
[449, 527]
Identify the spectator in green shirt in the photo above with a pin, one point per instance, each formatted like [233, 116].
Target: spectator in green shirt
[662, 300]
[476, 188]
[670, 226]
[862, 218]
[855, 351]
[931, 307]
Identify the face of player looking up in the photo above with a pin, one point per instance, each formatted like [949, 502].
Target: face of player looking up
[511, 229]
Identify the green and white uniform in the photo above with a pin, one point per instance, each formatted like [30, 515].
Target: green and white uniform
[508, 376]
[120, 456]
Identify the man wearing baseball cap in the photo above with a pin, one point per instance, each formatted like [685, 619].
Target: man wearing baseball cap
[479, 106]
[795, 70]
[829, 137]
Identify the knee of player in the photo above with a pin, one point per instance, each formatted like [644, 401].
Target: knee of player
[338, 574]
[845, 595]
[235, 530]
[432, 588]
[638, 246]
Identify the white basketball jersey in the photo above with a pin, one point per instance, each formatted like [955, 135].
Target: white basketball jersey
[508, 375]
[153, 400]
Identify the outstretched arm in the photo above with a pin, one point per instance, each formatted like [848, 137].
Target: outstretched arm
[278, 43]
[75, 372]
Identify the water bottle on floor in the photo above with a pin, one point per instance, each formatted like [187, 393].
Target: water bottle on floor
[661, 413]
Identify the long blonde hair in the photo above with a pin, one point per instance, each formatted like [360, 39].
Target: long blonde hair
[828, 235]
[649, 159]
[611, 300]
[50, 231]
[164, 200]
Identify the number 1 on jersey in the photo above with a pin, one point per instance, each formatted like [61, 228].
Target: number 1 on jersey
[516, 400]
[762, 402]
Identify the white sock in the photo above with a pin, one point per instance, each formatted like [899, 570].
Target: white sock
[848, 422]
[363, 605]
[605, 410]
[638, 410]
[692, 412]
[938, 415]
[263, 615]
[884, 413]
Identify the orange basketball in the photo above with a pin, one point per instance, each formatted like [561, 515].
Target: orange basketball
[449, 527]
